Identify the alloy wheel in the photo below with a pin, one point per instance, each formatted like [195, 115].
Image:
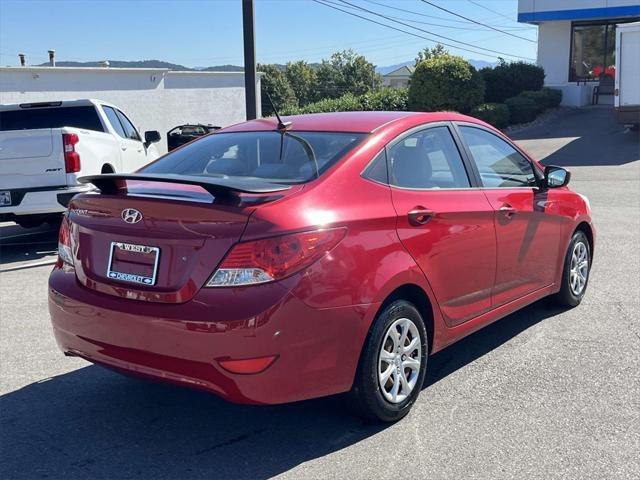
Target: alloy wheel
[399, 360]
[579, 268]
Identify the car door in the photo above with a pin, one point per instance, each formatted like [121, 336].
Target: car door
[134, 154]
[444, 223]
[528, 233]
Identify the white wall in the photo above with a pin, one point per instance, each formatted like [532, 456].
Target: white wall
[153, 99]
[554, 44]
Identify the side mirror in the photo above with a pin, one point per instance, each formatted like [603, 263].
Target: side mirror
[555, 177]
[152, 136]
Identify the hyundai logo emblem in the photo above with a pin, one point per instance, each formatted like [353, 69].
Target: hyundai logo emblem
[131, 215]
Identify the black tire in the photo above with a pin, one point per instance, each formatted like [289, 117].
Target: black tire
[566, 297]
[366, 398]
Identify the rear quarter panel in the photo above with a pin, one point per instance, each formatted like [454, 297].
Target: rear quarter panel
[95, 149]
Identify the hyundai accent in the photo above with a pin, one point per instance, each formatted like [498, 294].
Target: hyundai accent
[284, 259]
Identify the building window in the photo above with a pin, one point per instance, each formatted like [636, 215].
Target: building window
[593, 47]
[592, 52]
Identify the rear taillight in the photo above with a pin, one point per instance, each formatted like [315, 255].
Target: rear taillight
[272, 259]
[64, 243]
[71, 157]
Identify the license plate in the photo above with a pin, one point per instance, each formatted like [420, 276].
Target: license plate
[133, 263]
[5, 198]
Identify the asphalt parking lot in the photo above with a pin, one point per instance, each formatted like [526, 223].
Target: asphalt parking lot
[543, 393]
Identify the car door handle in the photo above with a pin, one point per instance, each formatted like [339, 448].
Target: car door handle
[123, 148]
[419, 216]
[507, 210]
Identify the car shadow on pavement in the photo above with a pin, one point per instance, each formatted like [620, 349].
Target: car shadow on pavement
[24, 245]
[92, 423]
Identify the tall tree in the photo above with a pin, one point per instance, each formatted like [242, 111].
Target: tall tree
[346, 72]
[428, 53]
[274, 82]
[303, 81]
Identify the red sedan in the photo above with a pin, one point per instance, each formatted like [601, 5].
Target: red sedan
[277, 261]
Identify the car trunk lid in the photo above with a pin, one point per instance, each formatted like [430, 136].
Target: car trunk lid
[156, 242]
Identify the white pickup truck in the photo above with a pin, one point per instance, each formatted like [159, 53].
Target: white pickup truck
[45, 147]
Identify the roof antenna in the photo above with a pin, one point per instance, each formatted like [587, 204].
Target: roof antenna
[282, 126]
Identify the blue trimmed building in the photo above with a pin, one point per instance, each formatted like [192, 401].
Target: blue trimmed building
[576, 41]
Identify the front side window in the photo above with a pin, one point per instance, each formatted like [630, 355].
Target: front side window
[499, 164]
[427, 159]
[291, 157]
[113, 120]
[129, 129]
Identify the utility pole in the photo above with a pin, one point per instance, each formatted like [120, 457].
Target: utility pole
[248, 29]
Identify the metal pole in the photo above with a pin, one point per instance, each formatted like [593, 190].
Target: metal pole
[248, 29]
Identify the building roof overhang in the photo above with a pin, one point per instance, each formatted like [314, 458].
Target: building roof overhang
[580, 14]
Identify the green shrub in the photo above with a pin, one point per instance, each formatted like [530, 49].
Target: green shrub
[545, 98]
[496, 114]
[521, 109]
[508, 80]
[384, 99]
[554, 97]
[445, 82]
[539, 98]
[346, 103]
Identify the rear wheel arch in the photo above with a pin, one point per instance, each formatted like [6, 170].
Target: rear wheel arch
[418, 297]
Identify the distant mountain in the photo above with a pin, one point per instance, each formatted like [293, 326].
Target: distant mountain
[478, 64]
[122, 64]
[223, 68]
[482, 64]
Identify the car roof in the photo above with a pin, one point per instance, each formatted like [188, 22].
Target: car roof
[356, 122]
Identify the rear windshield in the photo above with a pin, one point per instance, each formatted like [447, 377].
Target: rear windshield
[291, 157]
[55, 117]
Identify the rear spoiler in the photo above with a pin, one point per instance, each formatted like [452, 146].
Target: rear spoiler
[111, 183]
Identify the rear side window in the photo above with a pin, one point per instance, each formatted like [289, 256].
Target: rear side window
[113, 120]
[56, 117]
[291, 157]
[377, 169]
[427, 159]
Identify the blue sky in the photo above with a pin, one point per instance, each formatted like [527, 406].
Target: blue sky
[209, 32]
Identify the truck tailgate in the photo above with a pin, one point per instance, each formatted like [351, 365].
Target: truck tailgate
[31, 159]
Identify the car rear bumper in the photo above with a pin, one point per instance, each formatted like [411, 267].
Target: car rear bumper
[39, 201]
[317, 349]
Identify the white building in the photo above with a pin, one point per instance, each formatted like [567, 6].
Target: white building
[576, 41]
[154, 99]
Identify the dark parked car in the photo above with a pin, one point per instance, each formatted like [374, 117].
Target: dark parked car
[182, 134]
